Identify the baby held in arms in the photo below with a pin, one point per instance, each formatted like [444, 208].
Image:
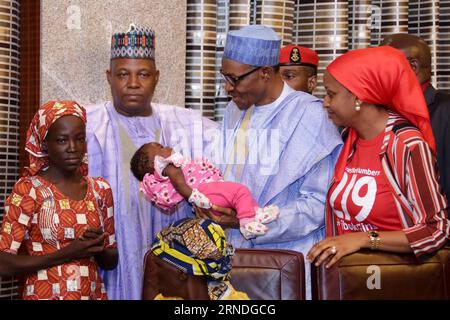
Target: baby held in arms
[168, 177]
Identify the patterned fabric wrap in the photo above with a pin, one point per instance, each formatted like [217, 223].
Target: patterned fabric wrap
[195, 246]
[39, 127]
[136, 43]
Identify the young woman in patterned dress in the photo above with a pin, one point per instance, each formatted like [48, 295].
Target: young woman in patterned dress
[60, 218]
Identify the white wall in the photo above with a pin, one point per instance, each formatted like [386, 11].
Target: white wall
[75, 40]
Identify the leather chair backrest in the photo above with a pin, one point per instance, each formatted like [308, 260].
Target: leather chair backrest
[379, 275]
[269, 274]
[262, 274]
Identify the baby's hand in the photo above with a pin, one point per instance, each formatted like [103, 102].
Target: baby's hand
[199, 199]
[253, 229]
[267, 214]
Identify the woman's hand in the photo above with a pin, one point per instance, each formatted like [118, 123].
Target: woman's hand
[336, 247]
[107, 258]
[227, 219]
[91, 233]
[90, 244]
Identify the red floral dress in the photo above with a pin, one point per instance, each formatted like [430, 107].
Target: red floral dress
[43, 220]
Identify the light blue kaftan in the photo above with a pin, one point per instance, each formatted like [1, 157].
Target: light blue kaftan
[292, 151]
[112, 141]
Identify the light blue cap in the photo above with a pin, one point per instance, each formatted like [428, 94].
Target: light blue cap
[254, 45]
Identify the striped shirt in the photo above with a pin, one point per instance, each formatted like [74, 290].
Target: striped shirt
[411, 170]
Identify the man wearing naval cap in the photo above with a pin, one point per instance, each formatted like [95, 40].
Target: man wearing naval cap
[298, 67]
[115, 130]
[277, 141]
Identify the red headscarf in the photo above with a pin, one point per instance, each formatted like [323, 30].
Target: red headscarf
[39, 126]
[381, 76]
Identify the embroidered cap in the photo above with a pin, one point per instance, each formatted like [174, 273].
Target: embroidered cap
[136, 43]
[255, 45]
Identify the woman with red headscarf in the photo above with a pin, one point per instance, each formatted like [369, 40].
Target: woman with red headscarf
[61, 219]
[385, 194]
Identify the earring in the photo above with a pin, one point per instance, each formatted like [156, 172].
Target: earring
[357, 106]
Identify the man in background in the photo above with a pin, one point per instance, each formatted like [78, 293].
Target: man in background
[418, 54]
[298, 67]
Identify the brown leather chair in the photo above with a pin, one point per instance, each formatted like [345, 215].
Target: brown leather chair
[378, 275]
[262, 274]
[269, 274]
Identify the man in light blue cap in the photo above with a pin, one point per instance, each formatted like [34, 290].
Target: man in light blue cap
[277, 141]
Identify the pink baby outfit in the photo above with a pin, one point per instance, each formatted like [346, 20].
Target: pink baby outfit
[205, 177]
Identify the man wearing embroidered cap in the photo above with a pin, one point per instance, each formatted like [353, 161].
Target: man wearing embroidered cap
[116, 130]
[277, 141]
[298, 67]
